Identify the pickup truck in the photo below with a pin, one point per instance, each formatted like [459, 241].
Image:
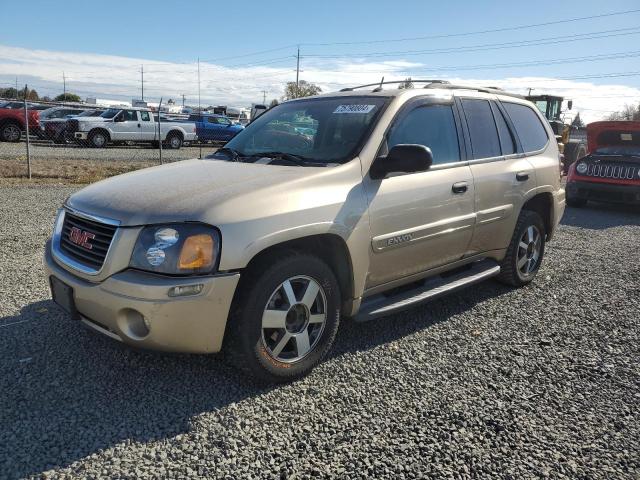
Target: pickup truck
[12, 123]
[129, 125]
[214, 128]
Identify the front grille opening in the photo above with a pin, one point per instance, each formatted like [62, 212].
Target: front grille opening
[86, 241]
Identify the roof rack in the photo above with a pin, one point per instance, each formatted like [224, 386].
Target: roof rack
[494, 90]
[380, 84]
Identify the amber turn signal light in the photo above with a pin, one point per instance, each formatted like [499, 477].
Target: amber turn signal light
[197, 253]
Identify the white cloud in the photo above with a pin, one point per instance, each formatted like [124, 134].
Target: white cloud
[118, 78]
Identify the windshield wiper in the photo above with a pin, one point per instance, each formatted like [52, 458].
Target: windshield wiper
[232, 154]
[290, 157]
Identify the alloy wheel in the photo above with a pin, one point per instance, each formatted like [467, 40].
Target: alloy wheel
[294, 318]
[529, 250]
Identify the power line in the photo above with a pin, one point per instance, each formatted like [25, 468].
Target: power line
[494, 46]
[477, 32]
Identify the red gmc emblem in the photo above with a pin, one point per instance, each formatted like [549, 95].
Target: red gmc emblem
[80, 237]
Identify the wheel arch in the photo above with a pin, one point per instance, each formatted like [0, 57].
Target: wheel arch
[542, 204]
[175, 131]
[329, 247]
[95, 130]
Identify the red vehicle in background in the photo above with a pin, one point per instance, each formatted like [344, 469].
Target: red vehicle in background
[611, 170]
[12, 123]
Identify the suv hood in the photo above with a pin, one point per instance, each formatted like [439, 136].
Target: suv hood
[613, 134]
[192, 190]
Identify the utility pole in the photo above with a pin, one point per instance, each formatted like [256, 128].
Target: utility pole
[199, 107]
[183, 100]
[17, 96]
[64, 87]
[264, 97]
[142, 79]
[530, 91]
[298, 73]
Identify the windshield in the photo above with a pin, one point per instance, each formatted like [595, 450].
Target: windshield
[110, 113]
[320, 130]
[633, 150]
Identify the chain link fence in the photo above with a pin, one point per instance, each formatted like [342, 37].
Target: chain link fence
[81, 143]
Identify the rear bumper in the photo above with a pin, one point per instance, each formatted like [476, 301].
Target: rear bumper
[604, 192]
[119, 306]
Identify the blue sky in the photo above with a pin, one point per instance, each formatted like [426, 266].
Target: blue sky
[167, 37]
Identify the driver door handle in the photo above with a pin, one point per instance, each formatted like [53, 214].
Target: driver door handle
[459, 187]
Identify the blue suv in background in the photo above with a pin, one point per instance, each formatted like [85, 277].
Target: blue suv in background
[211, 127]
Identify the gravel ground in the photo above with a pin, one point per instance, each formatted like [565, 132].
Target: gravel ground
[52, 152]
[490, 382]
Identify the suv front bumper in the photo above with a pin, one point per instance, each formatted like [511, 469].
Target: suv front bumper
[134, 307]
[604, 192]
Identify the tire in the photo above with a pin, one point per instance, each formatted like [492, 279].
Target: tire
[295, 336]
[98, 139]
[525, 251]
[174, 141]
[10, 132]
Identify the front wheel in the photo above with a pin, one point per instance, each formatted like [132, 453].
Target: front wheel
[525, 252]
[286, 318]
[98, 139]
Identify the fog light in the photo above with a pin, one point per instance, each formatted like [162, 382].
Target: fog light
[185, 290]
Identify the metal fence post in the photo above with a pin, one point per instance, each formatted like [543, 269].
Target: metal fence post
[159, 131]
[26, 122]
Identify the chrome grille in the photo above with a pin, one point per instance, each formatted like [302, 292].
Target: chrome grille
[92, 252]
[611, 170]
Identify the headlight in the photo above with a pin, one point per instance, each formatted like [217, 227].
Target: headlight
[581, 168]
[178, 249]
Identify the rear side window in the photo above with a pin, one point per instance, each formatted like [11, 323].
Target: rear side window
[482, 128]
[532, 134]
[432, 126]
[506, 138]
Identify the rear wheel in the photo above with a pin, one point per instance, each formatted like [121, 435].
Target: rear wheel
[10, 132]
[525, 252]
[174, 141]
[286, 319]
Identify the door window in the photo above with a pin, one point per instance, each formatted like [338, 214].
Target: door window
[145, 116]
[507, 143]
[531, 133]
[482, 128]
[130, 116]
[434, 127]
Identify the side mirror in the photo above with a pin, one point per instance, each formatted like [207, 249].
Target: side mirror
[404, 158]
[119, 118]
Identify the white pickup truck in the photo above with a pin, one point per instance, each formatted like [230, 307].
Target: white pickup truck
[129, 125]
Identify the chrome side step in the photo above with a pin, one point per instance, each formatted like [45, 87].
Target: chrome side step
[381, 305]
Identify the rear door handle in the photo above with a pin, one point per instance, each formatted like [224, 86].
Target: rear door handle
[139, 126]
[522, 176]
[459, 187]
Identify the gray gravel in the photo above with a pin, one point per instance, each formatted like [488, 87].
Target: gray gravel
[491, 382]
[50, 151]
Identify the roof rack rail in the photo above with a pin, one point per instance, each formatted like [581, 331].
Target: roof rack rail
[380, 84]
[494, 90]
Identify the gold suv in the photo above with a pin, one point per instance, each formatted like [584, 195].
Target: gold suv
[319, 210]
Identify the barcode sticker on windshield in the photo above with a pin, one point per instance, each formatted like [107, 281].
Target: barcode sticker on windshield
[354, 108]
[627, 137]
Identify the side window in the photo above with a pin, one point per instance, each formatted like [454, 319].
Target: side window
[433, 126]
[531, 133]
[482, 128]
[506, 137]
[212, 120]
[145, 116]
[130, 115]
